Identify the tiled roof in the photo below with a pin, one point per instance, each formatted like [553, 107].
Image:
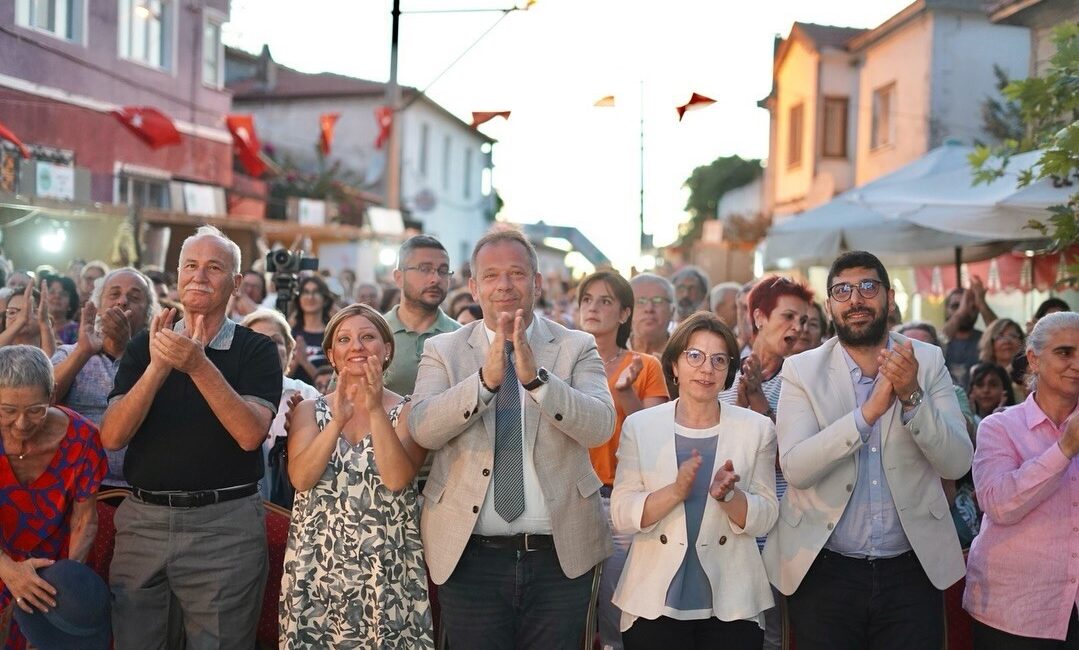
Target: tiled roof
[293, 83]
[828, 35]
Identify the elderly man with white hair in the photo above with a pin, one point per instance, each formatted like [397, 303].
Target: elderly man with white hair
[193, 401]
[120, 307]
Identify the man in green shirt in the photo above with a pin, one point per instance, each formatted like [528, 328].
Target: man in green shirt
[423, 276]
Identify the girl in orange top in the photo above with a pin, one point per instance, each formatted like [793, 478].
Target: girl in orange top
[605, 310]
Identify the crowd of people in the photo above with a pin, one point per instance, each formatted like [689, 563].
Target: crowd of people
[482, 458]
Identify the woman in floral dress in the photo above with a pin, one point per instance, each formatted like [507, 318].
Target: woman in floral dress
[354, 575]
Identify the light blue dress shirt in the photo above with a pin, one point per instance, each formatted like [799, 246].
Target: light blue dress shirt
[870, 526]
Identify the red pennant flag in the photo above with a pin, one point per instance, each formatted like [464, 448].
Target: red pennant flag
[6, 134]
[326, 122]
[695, 101]
[151, 125]
[384, 117]
[480, 117]
[245, 143]
[604, 102]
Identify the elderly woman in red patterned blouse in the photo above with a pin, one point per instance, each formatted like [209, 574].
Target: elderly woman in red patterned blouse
[51, 466]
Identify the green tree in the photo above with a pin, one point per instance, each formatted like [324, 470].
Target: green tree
[707, 185]
[1049, 109]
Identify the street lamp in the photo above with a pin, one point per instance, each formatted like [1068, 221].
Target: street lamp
[393, 91]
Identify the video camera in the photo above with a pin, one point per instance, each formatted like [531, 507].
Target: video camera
[286, 261]
[285, 265]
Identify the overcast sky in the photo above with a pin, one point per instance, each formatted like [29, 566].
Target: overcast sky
[559, 159]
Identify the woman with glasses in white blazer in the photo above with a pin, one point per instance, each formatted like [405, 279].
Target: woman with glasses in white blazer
[696, 485]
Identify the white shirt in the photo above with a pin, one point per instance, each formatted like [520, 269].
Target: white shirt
[535, 518]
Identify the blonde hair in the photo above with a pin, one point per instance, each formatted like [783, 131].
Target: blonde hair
[274, 318]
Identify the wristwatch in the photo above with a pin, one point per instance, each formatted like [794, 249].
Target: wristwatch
[542, 377]
[914, 400]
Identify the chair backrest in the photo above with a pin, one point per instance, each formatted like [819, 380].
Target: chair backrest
[277, 523]
[100, 556]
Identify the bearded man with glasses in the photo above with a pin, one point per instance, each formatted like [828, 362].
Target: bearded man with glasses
[868, 424]
[423, 275]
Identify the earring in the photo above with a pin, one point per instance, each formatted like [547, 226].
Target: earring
[675, 380]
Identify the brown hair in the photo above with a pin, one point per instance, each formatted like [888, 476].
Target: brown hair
[986, 353]
[623, 293]
[704, 321]
[368, 312]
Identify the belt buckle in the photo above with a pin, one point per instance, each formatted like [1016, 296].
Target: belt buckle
[528, 548]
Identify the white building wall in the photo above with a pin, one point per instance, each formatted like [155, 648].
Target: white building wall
[965, 49]
[291, 126]
[796, 83]
[743, 201]
[458, 218]
[904, 58]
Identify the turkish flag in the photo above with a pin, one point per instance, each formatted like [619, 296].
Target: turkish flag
[695, 101]
[6, 134]
[151, 125]
[479, 118]
[245, 143]
[384, 117]
[326, 122]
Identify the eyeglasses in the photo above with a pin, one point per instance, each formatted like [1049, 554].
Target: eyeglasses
[1007, 336]
[429, 269]
[34, 412]
[655, 301]
[696, 358]
[842, 291]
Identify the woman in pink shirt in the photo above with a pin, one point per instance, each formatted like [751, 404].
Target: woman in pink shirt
[1023, 569]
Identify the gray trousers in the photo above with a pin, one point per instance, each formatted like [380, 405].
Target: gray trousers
[210, 562]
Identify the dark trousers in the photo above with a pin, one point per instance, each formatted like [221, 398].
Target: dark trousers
[667, 634]
[497, 599]
[990, 638]
[846, 603]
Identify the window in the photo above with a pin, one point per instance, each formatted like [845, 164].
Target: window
[143, 192]
[146, 32]
[425, 132]
[468, 173]
[794, 136]
[61, 18]
[883, 116]
[212, 50]
[834, 139]
[446, 149]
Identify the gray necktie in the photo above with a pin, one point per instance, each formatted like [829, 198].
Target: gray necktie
[509, 487]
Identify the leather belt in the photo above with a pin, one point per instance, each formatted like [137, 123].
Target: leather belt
[195, 499]
[522, 542]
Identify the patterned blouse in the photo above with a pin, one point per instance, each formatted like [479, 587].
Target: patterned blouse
[35, 519]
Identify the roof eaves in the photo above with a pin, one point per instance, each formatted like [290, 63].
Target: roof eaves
[908, 13]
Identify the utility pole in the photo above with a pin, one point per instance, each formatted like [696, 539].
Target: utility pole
[392, 194]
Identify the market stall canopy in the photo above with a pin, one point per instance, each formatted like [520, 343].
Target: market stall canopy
[885, 217]
[1000, 210]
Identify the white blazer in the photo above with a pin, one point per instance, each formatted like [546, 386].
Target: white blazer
[647, 461]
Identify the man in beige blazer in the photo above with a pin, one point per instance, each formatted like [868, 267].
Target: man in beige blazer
[868, 425]
[512, 524]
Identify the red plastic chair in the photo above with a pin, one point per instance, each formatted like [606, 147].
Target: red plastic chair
[277, 523]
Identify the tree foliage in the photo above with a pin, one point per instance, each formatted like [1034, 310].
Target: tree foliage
[707, 185]
[1049, 109]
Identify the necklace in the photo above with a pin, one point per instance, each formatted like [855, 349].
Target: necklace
[608, 362]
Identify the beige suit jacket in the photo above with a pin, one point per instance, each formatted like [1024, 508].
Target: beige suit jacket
[449, 418]
[818, 445]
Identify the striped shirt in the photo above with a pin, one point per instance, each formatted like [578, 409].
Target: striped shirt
[770, 388]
